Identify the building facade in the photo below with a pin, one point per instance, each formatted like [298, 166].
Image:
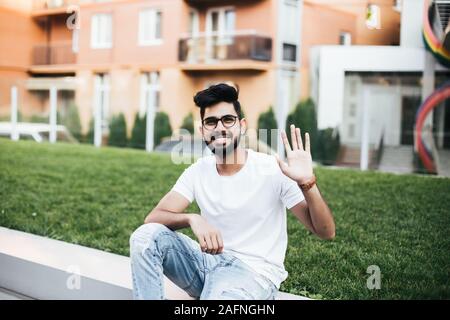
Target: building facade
[372, 93]
[144, 56]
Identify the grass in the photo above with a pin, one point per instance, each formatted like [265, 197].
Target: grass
[97, 197]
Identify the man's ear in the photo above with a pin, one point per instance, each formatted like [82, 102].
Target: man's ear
[243, 123]
[200, 130]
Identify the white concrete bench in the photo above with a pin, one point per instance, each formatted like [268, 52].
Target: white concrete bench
[43, 268]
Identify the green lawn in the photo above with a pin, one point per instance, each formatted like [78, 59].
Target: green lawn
[97, 197]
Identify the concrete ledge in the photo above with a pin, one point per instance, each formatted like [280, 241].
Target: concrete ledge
[43, 268]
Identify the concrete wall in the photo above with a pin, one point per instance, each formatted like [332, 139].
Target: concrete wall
[333, 61]
[18, 33]
[321, 25]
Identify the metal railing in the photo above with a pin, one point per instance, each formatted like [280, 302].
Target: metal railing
[52, 4]
[380, 149]
[236, 46]
[54, 54]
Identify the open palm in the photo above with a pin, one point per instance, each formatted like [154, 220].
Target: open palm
[299, 161]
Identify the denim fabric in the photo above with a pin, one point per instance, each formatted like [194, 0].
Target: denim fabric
[156, 250]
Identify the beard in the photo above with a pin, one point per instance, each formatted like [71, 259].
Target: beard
[223, 151]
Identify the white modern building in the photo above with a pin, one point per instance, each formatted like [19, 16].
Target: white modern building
[372, 93]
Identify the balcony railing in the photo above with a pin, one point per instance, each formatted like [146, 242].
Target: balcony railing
[54, 54]
[214, 48]
[52, 4]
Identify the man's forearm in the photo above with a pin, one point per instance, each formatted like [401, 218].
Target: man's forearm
[320, 214]
[173, 221]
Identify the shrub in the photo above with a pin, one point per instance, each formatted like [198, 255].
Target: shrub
[89, 137]
[328, 145]
[42, 119]
[188, 123]
[71, 119]
[267, 121]
[138, 132]
[304, 117]
[118, 131]
[162, 127]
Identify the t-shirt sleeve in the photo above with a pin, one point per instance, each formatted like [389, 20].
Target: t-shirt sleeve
[185, 183]
[290, 192]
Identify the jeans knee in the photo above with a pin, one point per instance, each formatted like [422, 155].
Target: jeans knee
[141, 238]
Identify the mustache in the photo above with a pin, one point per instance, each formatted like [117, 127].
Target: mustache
[220, 135]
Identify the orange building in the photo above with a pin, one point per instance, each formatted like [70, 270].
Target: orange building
[153, 55]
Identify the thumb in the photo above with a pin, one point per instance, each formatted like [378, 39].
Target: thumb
[281, 163]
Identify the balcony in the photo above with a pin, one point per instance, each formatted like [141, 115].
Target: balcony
[217, 52]
[55, 55]
[52, 7]
[215, 2]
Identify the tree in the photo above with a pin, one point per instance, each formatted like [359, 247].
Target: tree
[138, 133]
[328, 146]
[162, 127]
[90, 134]
[71, 119]
[188, 123]
[267, 122]
[118, 131]
[304, 117]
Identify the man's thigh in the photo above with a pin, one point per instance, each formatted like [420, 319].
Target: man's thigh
[179, 258]
[236, 282]
[184, 264]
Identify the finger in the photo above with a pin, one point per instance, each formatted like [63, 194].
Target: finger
[208, 243]
[220, 242]
[294, 138]
[285, 141]
[202, 243]
[299, 138]
[307, 143]
[215, 245]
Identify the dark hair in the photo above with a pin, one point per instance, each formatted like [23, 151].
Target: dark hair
[221, 92]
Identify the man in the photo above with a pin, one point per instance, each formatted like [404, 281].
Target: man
[242, 196]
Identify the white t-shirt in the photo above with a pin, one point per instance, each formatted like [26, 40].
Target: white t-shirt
[248, 208]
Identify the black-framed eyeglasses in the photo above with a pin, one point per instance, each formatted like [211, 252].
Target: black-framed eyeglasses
[227, 120]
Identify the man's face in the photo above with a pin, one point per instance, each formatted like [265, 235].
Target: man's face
[225, 137]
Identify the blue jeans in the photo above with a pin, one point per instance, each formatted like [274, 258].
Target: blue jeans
[156, 250]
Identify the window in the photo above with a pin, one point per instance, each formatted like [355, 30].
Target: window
[221, 21]
[345, 38]
[352, 110]
[373, 17]
[289, 52]
[150, 21]
[220, 30]
[290, 22]
[398, 5]
[150, 92]
[351, 130]
[101, 91]
[193, 27]
[101, 30]
[230, 21]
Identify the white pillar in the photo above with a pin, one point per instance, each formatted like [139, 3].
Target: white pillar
[428, 83]
[150, 122]
[97, 115]
[364, 156]
[53, 107]
[14, 111]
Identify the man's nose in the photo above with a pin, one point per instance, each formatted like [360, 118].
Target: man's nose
[220, 126]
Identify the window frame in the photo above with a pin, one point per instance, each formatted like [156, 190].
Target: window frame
[151, 14]
[96, 31]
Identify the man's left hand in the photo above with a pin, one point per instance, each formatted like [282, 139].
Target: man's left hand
[299, 161]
